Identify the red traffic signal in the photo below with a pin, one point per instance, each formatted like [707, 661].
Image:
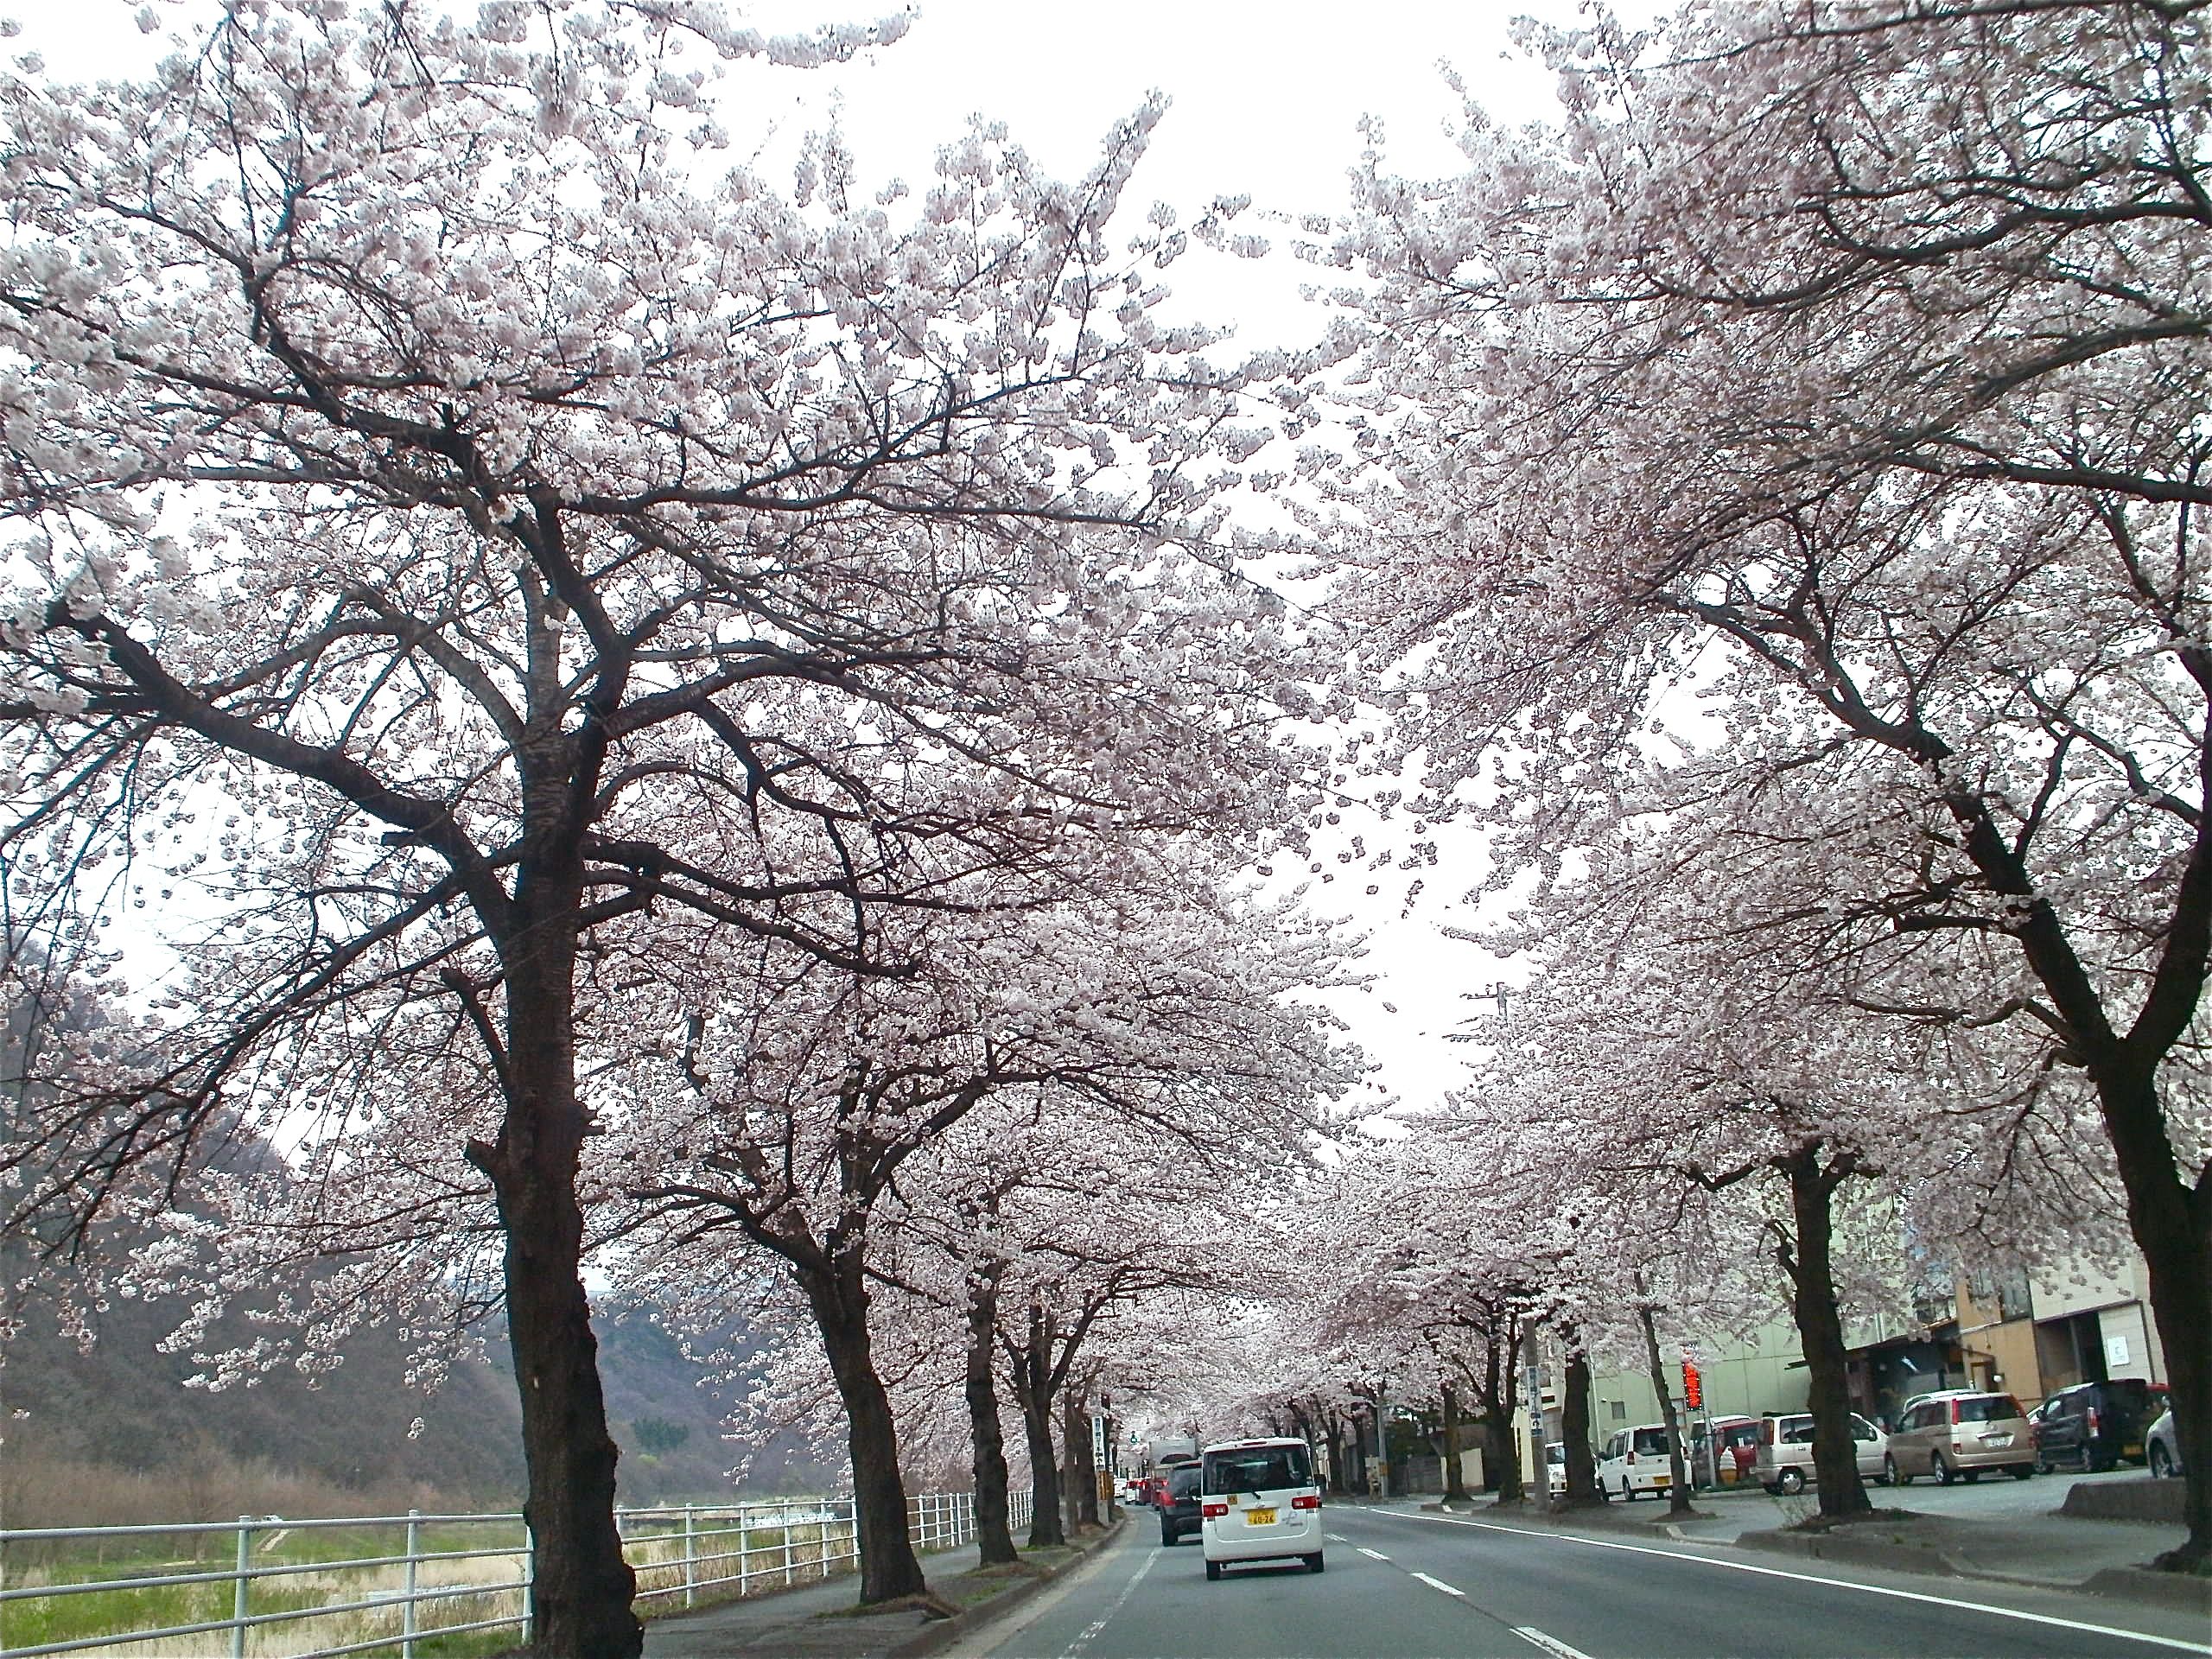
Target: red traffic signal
[1693, 1386]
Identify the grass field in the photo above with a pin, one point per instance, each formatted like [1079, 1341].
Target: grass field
[298, 1570]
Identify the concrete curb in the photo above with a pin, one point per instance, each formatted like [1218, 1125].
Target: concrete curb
[2184, 1590]
[1892, 1552]
[2140, 1497]
[944, 1632]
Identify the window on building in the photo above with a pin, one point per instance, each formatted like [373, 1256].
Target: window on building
[1619, 1408]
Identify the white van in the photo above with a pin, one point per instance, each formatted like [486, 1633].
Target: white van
[1635, 1460]
[1259, 1502]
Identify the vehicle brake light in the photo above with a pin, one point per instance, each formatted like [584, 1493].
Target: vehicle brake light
[1215, 1511]
[1632, 1459]
[2091, 1420]
[1306, 1501]
[1955, 1411]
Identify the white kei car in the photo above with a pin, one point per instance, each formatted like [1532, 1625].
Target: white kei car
[1258, 1502]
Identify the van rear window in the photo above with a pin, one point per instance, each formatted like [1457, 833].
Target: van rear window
[1650, 1442]
[1183, 1483]
[1985, 1408]
[1257, 1469]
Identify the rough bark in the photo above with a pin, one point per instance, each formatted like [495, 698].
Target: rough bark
[1029, 1368]
[838, 1295]
[581, 1587]
[993, 1525]
[1455, 1485]
[1333, 1433]
[1574, 1427]
[1081, 1468]
[1809, 1261]
[1678, 1489]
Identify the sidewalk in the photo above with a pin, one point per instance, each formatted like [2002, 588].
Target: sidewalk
[2048, 1550]
[820, 1621]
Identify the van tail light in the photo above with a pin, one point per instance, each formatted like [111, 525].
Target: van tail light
[1955, 1411]
[1215, 1511]
[2090, 1422]
[1631, 1459]
[1306, 1501]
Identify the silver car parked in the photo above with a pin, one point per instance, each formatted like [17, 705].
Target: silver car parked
[2162, 1446]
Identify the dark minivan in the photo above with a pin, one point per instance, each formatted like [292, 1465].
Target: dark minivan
[1180, 1510]
[2092, 1425]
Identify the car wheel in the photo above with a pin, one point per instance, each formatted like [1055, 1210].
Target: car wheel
[1792, 1482]
[1167, 1539]
[2042, 1465]
[1941, 1470]
[2162, 1462]
[2023, 1471]
[1628, 1490]
[1213, 1571]
[1892, 1474]
[1314, 1563]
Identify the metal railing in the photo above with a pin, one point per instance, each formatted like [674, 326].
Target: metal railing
[454, 1574]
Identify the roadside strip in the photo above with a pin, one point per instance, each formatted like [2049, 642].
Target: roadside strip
[2048, 1619]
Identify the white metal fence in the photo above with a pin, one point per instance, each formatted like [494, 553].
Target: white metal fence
[268, 1586]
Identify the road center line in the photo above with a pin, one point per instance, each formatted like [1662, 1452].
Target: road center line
[1439, 1583]
[1371, 1554]
[1550, 1644]
[1336, 1537]
[2169, 1642]
[1114, 1606]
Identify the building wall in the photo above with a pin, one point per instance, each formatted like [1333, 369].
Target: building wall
[1764, 1372]
[2079, 1307]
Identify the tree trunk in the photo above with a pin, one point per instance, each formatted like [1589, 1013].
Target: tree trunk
[1811, 1267]
[1678, 1486]
[1574, 1427]
[581, 1587]
[1333, 1430]
[838, 1296]
[1081, 1465]
[1504, 1450]
[1045, 1524]
[2172, 1225]
[994, 1528]
[1455, 1484]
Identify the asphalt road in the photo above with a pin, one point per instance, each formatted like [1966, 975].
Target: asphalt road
[1412, 1586]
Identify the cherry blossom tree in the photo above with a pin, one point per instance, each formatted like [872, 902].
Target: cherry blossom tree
[796, 1106]
[459, 522]
[1824, 391]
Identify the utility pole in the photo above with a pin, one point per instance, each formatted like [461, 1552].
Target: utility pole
[1538, 1484]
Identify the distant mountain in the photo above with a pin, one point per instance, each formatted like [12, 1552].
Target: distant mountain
[122, 1405]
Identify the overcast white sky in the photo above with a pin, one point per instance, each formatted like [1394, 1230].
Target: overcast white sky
[1267, 99]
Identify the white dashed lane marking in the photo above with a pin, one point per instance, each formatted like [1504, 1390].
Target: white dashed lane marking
[1336, 1537]
[1550, 1644]
[1373, 1554]
[1077, 1646]
[1439, 1583]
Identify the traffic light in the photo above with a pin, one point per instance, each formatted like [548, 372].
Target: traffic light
[1693, 1386]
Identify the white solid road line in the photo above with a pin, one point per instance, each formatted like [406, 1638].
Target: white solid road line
[1439, 1583]
[1550, 1644]
[2166, 1642]
[1099, 1624]
[1372, 1555]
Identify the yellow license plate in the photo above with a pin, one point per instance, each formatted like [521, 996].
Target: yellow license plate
[1259, 1517]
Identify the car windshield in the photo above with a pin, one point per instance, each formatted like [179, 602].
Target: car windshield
[1985, 1408]
[1257, 1469]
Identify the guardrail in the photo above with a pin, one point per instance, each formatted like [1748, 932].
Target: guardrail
[315, 1589]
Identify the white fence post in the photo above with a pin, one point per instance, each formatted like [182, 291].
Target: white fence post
[529, 1585]
[407, 1625]
[787, 1545]
[239, 1599]
[691, 1556]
